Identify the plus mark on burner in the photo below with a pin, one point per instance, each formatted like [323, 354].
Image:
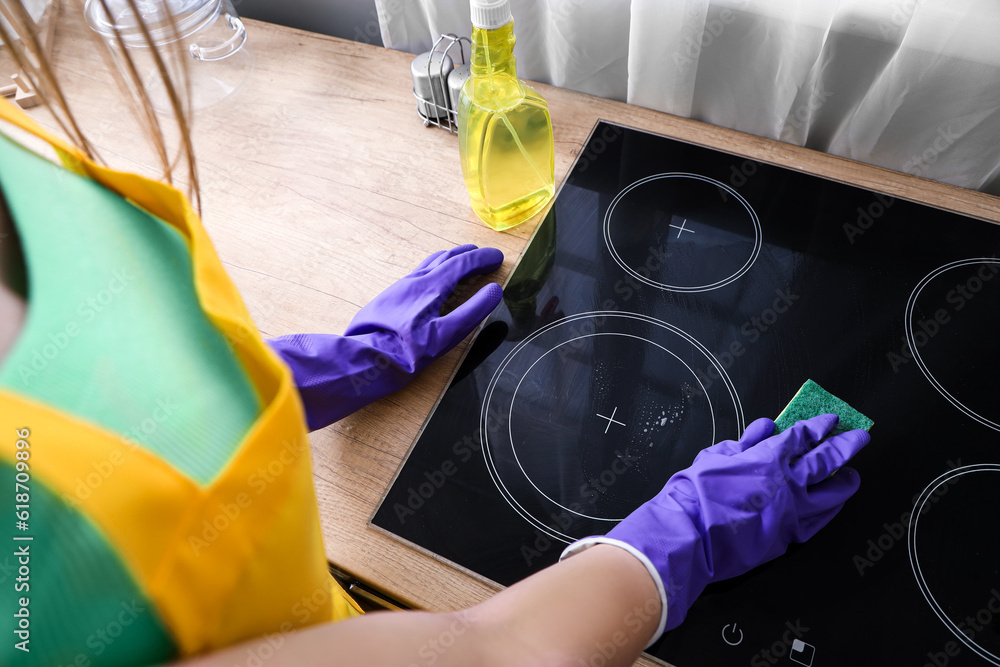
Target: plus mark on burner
[611, 419]
[681, 229]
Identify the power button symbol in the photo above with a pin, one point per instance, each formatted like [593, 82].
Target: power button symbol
[732, 635]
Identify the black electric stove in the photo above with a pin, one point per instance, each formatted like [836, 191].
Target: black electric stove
[675, 293]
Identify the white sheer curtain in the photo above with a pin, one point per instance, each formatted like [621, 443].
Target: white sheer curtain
[907, 84]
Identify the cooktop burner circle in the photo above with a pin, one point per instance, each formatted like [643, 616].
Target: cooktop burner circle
[954, 560]
[682, 232]
[939, 313]
[588, 417]
[641, 429]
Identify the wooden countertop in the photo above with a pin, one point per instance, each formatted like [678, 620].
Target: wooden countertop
[322, 187]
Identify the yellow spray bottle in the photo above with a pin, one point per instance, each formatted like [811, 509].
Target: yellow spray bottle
[504, 127]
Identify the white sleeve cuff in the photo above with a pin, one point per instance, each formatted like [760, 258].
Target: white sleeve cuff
[587, 542]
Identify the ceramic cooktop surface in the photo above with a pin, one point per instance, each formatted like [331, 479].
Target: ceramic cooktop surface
[675, 293]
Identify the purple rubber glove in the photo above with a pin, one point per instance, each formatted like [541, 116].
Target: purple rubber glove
[392, 338]
[740, 504]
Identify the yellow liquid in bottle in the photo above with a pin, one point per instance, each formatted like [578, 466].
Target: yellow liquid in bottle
[504, 135]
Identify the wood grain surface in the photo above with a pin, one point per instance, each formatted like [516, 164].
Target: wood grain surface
[322, 187]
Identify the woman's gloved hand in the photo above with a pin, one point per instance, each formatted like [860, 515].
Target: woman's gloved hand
[392, 338]
[740, 504]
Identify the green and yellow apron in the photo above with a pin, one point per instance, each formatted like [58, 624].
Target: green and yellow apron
[169, 507]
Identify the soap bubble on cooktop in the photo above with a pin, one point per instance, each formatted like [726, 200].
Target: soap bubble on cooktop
[682, 232]
[949, 332]
[955, 556]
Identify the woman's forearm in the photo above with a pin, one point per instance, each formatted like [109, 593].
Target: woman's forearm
[598, 607]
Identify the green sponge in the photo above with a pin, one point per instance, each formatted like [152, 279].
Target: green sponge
[812, 400]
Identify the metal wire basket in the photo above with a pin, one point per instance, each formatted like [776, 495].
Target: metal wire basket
[435, 104]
